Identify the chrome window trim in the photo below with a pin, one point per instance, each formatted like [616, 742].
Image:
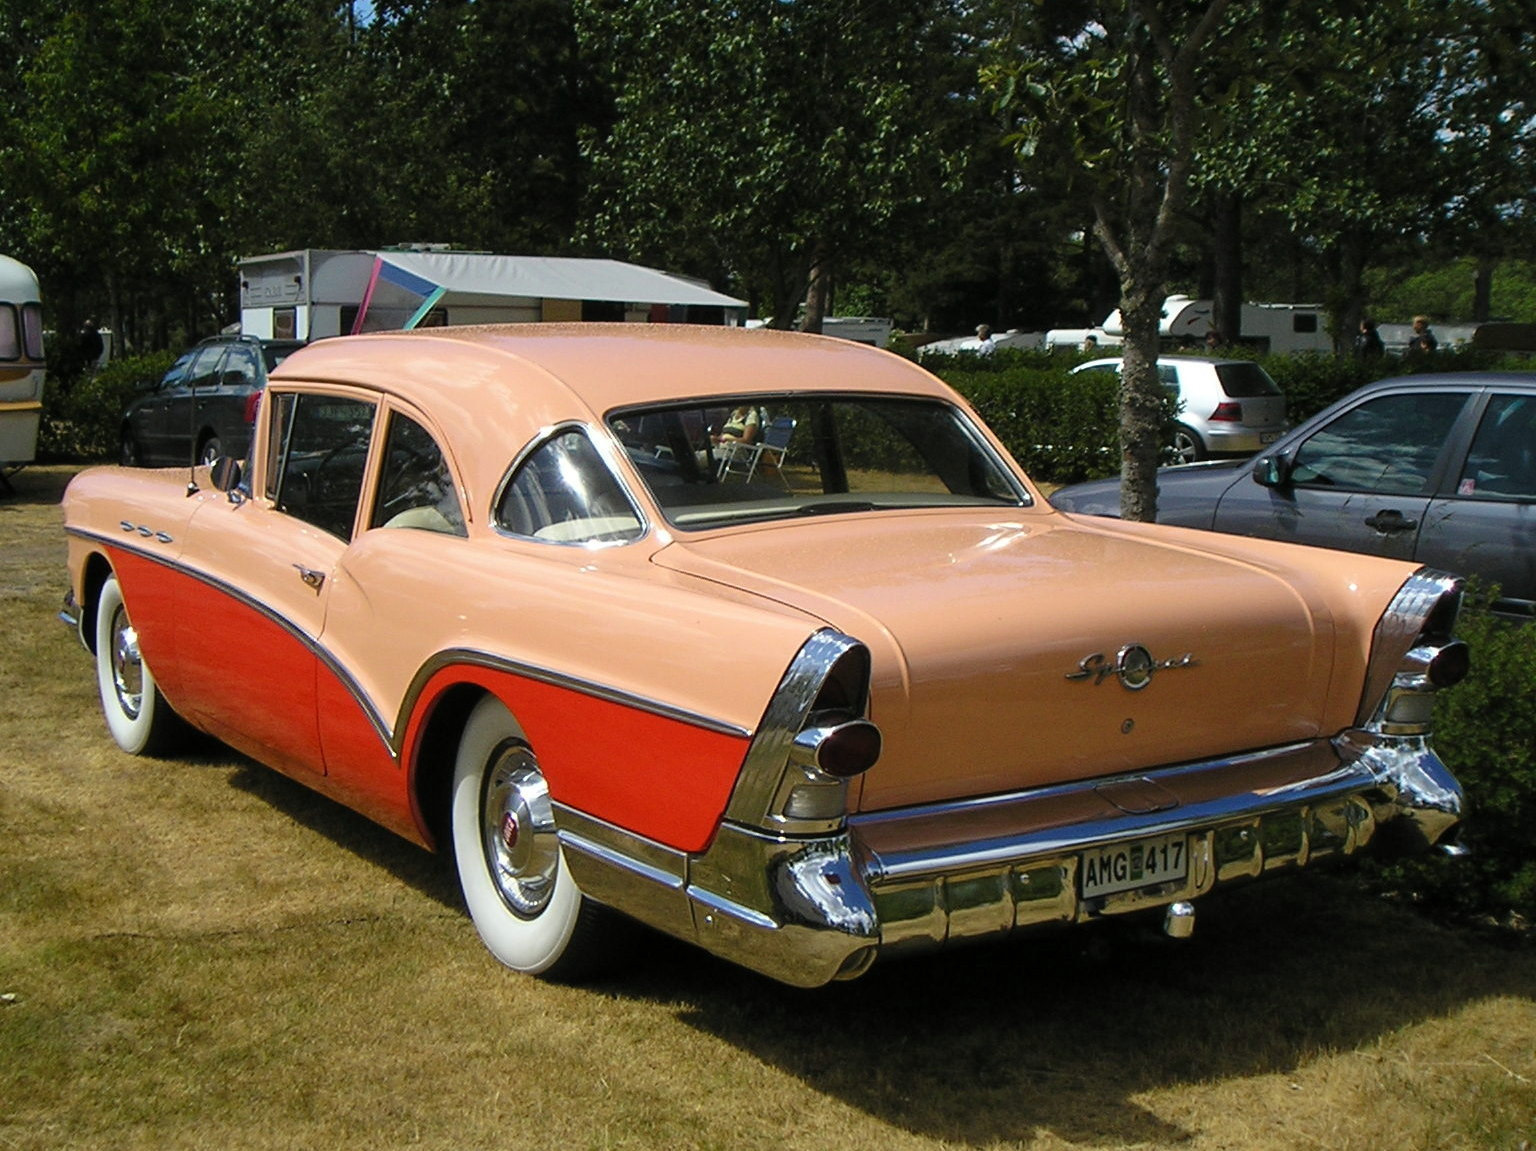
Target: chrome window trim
[602, 441]
[969, 423]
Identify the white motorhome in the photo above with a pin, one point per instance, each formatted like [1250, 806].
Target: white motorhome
[21, 364]
[1280, 328]
[314, 293]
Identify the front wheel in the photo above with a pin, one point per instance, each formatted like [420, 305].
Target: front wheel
[137, 714]
[522, 898]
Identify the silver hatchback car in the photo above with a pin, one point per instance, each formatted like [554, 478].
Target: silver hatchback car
[1227, 407]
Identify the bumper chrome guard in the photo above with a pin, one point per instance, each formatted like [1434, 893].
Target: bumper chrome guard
[810, 910]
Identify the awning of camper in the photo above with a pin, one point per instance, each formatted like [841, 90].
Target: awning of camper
[545, 277]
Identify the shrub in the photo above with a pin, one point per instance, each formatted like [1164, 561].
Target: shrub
[82, 419]
[1485, 729]
[1060, 427]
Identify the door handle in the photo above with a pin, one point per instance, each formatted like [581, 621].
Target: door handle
[311, 578]
[1390, 521]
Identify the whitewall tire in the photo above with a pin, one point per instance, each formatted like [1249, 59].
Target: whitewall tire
[524, 903]
[137, 714]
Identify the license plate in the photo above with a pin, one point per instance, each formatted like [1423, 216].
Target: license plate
[1138, 863]
[1268, 437]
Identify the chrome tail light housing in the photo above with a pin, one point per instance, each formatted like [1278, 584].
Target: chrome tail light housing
[1414, 654]
[814, 738]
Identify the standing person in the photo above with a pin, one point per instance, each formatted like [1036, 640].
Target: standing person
[1368, 345]
[985, 344]
[1423, 341]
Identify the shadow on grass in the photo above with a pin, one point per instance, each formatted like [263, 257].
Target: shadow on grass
[426, 872]
[1056, 1033]
[36, 486]
[1060, 1033]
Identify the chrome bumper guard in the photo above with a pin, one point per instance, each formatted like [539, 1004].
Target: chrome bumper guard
[807, 911]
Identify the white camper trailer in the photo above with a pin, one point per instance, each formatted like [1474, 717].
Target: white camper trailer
[1279, 328]
[310, 294]
[21, 365]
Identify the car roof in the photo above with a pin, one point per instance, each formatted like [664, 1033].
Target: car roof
[602, 367]
[490, 387]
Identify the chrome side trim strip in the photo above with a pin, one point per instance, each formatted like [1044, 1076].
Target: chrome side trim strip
[393, 737]
[476, 658]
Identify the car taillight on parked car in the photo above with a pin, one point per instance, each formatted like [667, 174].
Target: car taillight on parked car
[252, 406]
[1228, 412]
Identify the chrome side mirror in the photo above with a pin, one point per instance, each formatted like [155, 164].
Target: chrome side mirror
[225, 475]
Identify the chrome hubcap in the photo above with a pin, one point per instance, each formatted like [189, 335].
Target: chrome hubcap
[127, 666]
[517, 831]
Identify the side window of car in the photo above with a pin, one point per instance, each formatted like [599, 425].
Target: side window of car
[316, 469]
[178, 371]
[240, 369]
[564, 492]
[202, 372]
[1389, 444]
[415, 489]
[1502, 462]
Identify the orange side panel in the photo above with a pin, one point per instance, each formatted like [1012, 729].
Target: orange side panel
[659, 777]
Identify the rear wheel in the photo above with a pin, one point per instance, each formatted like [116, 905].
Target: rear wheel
[210, 449]
[522, 898]
[1188, 448]
[137, 714]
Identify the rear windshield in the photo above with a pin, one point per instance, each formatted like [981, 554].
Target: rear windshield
[275, 354]
[718, 462]
[1245, 380]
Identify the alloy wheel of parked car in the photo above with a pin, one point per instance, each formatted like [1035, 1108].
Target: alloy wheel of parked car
[209, 450]
[137, 714]
[129, 454]
[521, 896]
[1187, 448]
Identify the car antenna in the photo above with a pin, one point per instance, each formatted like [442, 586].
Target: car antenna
[192, 488]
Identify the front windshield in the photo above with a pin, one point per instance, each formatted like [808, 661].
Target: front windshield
[717, 462]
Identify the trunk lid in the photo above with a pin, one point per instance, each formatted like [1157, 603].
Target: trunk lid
[996, 643]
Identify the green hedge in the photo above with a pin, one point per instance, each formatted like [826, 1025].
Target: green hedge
[82, 419]
[1485, 730]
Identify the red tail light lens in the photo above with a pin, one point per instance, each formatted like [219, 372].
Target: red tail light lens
[252, 406]
[1228, 413]
[843, 750]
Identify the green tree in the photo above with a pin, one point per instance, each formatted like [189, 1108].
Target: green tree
[1112, 90]
[769, 142]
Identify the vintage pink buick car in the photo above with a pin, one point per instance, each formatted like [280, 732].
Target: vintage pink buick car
[761, 639]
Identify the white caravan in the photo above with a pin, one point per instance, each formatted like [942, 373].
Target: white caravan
[21, 364]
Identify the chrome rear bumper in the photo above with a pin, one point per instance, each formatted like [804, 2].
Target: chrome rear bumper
[808, 911]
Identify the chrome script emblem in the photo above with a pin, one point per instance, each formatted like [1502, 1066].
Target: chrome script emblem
[1133, 664]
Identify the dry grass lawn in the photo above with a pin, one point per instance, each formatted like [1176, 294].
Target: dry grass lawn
[200, 953]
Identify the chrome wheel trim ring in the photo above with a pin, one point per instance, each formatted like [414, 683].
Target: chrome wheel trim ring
[127, 665]
[517, 831]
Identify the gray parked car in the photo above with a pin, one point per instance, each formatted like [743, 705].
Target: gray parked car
[205, 404]
[1226, 407]
[1437, 468]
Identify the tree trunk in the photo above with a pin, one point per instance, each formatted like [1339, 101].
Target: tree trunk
[1227, 258]
[1141, 401]
[1482, 289]
[818, 293]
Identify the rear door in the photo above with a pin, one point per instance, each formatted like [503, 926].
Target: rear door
[1484, 522]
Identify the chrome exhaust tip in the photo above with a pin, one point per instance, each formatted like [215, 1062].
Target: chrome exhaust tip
[1179, 922]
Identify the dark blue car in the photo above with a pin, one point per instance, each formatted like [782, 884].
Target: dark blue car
[1440, 469]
